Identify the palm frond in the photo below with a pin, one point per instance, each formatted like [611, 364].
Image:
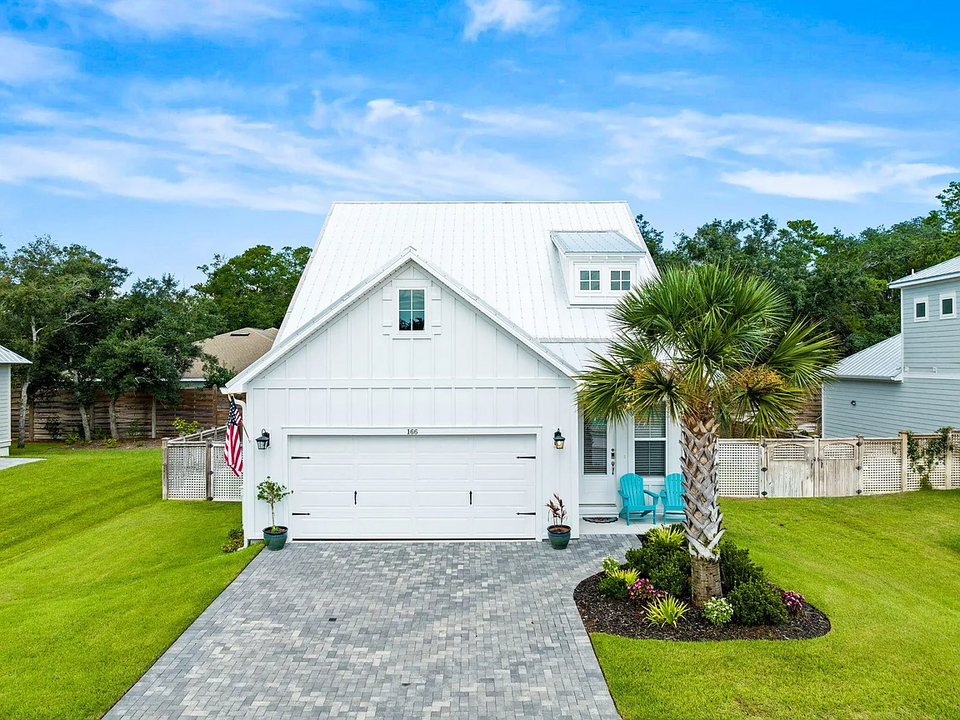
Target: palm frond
[803, 355]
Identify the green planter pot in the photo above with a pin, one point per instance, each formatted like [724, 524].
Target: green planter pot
[275, 541]
[559, 536]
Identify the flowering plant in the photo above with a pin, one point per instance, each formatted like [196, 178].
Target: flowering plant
[719, 611]
[644, 591]
[793, 600]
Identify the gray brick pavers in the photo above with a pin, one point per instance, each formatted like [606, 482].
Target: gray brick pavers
[389, 630]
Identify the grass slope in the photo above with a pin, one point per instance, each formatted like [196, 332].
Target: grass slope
[885, 569]
[98, 576]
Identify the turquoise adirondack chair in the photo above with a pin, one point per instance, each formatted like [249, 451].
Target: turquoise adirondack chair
[635, 502]
[671, 499]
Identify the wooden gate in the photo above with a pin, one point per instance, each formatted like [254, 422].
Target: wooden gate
[789, 468]
[838, 467]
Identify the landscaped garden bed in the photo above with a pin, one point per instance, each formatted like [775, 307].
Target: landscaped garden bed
[648, 597]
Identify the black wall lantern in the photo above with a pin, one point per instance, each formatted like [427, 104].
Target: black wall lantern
[263, 442]
[558, 440]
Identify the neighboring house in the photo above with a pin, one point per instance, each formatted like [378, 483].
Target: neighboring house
[425, 363]
[234, 350]
[8, 359]
[912, 380]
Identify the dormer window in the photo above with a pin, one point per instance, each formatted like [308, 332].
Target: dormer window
[619, 280]
[589, 281]
[412, 310]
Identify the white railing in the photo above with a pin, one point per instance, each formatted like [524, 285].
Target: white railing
[194, 468]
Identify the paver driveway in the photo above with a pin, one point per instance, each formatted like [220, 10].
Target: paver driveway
[381, 630]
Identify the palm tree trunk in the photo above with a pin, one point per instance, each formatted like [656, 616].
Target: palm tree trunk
[702, 511]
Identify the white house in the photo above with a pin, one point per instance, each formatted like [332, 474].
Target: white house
[8, 359]
[428, 359]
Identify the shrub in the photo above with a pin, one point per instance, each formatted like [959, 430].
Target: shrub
[757, 603]
[73, 438]
[736, 567]
[793, 600]
[184, 427]
[234, 541]
[666, 611]
[615, 588]
[667, 537]
[610, 565]
[649, 558]
[628, 575]
[643, 591]
[135, 429]
[110, 443]
[719, 611]
[671, 579]
[53, 427]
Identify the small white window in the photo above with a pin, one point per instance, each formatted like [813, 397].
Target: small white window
[589, 281]
[948, 306]
[412, 314]
[920, 310]
[619, 280]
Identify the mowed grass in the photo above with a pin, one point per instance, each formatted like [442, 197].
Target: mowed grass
[886, 570]
[98, 576]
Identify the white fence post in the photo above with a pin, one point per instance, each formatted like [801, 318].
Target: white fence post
[904, 460]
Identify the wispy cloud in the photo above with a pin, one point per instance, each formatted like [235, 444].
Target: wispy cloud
[509, 16]
[23, 62]
[670, 81]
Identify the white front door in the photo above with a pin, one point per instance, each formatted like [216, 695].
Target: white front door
[413, 486]
[600, 467]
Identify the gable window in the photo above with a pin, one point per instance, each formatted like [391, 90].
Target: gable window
[948, 306]
[594, 447]
[411, 310]
[920, 310]
[619, 280]
[650, 445]
[590, 280]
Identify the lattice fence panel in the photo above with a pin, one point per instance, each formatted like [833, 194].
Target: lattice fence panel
[226, 485]
[955, 461]
[186, 471]
[938, 476]
[738, 468]
[785, 451]
[880, 459]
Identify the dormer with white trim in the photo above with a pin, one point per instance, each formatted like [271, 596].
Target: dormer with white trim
[598, 266]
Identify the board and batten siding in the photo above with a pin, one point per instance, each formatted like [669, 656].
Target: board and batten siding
[5, 429]
[357, 372]
[884, 408]
[932, 346]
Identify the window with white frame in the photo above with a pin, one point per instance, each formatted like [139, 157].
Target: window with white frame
[650, 445]
[589, 281]
[619, 280]
[594, 447]
[948, 306]
[920, 310]
[412, 310]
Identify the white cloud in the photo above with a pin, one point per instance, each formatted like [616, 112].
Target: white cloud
[847, 186]
[670, 81]
[686, 38]
[23, 62]
[508, 16]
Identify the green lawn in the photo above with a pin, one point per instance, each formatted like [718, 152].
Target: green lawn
[98, 576]
[886, 570]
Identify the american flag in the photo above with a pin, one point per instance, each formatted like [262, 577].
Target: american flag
[233, 447]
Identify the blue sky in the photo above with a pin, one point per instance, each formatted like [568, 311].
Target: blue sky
[163, 131]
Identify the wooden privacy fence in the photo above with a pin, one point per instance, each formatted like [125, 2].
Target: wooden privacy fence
[820, 467]
[194, 468]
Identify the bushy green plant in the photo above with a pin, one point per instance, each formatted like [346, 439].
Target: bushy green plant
[666, 611]
[671, 579]
[110, 443]
[666, 536]
[73, 438]
[185, 427]
[53, 427]
[615, 588]
[651, 556]
[757, 603]
[272, 493]
[719, 611]
[610, 565]
[135, 429]
[628, 575]
[736, 567]
[234, 541]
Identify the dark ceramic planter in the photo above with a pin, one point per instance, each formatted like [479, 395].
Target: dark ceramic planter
[559, 536]
[275, 541]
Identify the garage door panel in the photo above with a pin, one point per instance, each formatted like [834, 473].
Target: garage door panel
[389, 499]
[443, 471]
[384, 444]
[501, 472]
[315, 472]
[318, 499]
[385, 527]
[516, 500]
[383, 471]
[442, 499]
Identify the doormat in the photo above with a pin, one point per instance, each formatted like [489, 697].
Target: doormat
[600, 519]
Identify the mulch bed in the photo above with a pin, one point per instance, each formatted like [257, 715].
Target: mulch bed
[624, 618]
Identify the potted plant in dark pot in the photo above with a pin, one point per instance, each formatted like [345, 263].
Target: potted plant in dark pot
[558, 532]
[275, 536]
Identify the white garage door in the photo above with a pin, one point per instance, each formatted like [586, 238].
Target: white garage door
[413, 486]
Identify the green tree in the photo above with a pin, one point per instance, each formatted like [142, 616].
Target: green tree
[714, 346]
[653, 238]
[254, 288]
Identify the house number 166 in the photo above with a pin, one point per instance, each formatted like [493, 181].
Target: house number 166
[412, 431]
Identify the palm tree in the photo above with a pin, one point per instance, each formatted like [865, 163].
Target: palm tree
[715, 347]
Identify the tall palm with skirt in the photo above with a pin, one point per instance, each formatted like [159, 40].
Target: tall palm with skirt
[716, 347]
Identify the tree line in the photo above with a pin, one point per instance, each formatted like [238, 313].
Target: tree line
[85, 327]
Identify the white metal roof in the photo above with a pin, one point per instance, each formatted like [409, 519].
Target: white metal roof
[883, 361]
[576, 354]
[596, 242]
[500, 251]
[9, 357]
[941, 271]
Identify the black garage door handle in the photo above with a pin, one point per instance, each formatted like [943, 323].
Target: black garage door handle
[533, 513]
[299, 513]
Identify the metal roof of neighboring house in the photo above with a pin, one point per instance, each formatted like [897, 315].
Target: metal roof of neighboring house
[9, 357]
[883, 361]
[941, 271]
[236, 350]
[598, 242]
[501, 251]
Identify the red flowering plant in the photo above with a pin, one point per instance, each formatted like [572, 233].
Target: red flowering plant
[643, 591]
[793, 600]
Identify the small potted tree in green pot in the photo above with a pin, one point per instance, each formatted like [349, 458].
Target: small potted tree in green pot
[275, 536]
[558, 533]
